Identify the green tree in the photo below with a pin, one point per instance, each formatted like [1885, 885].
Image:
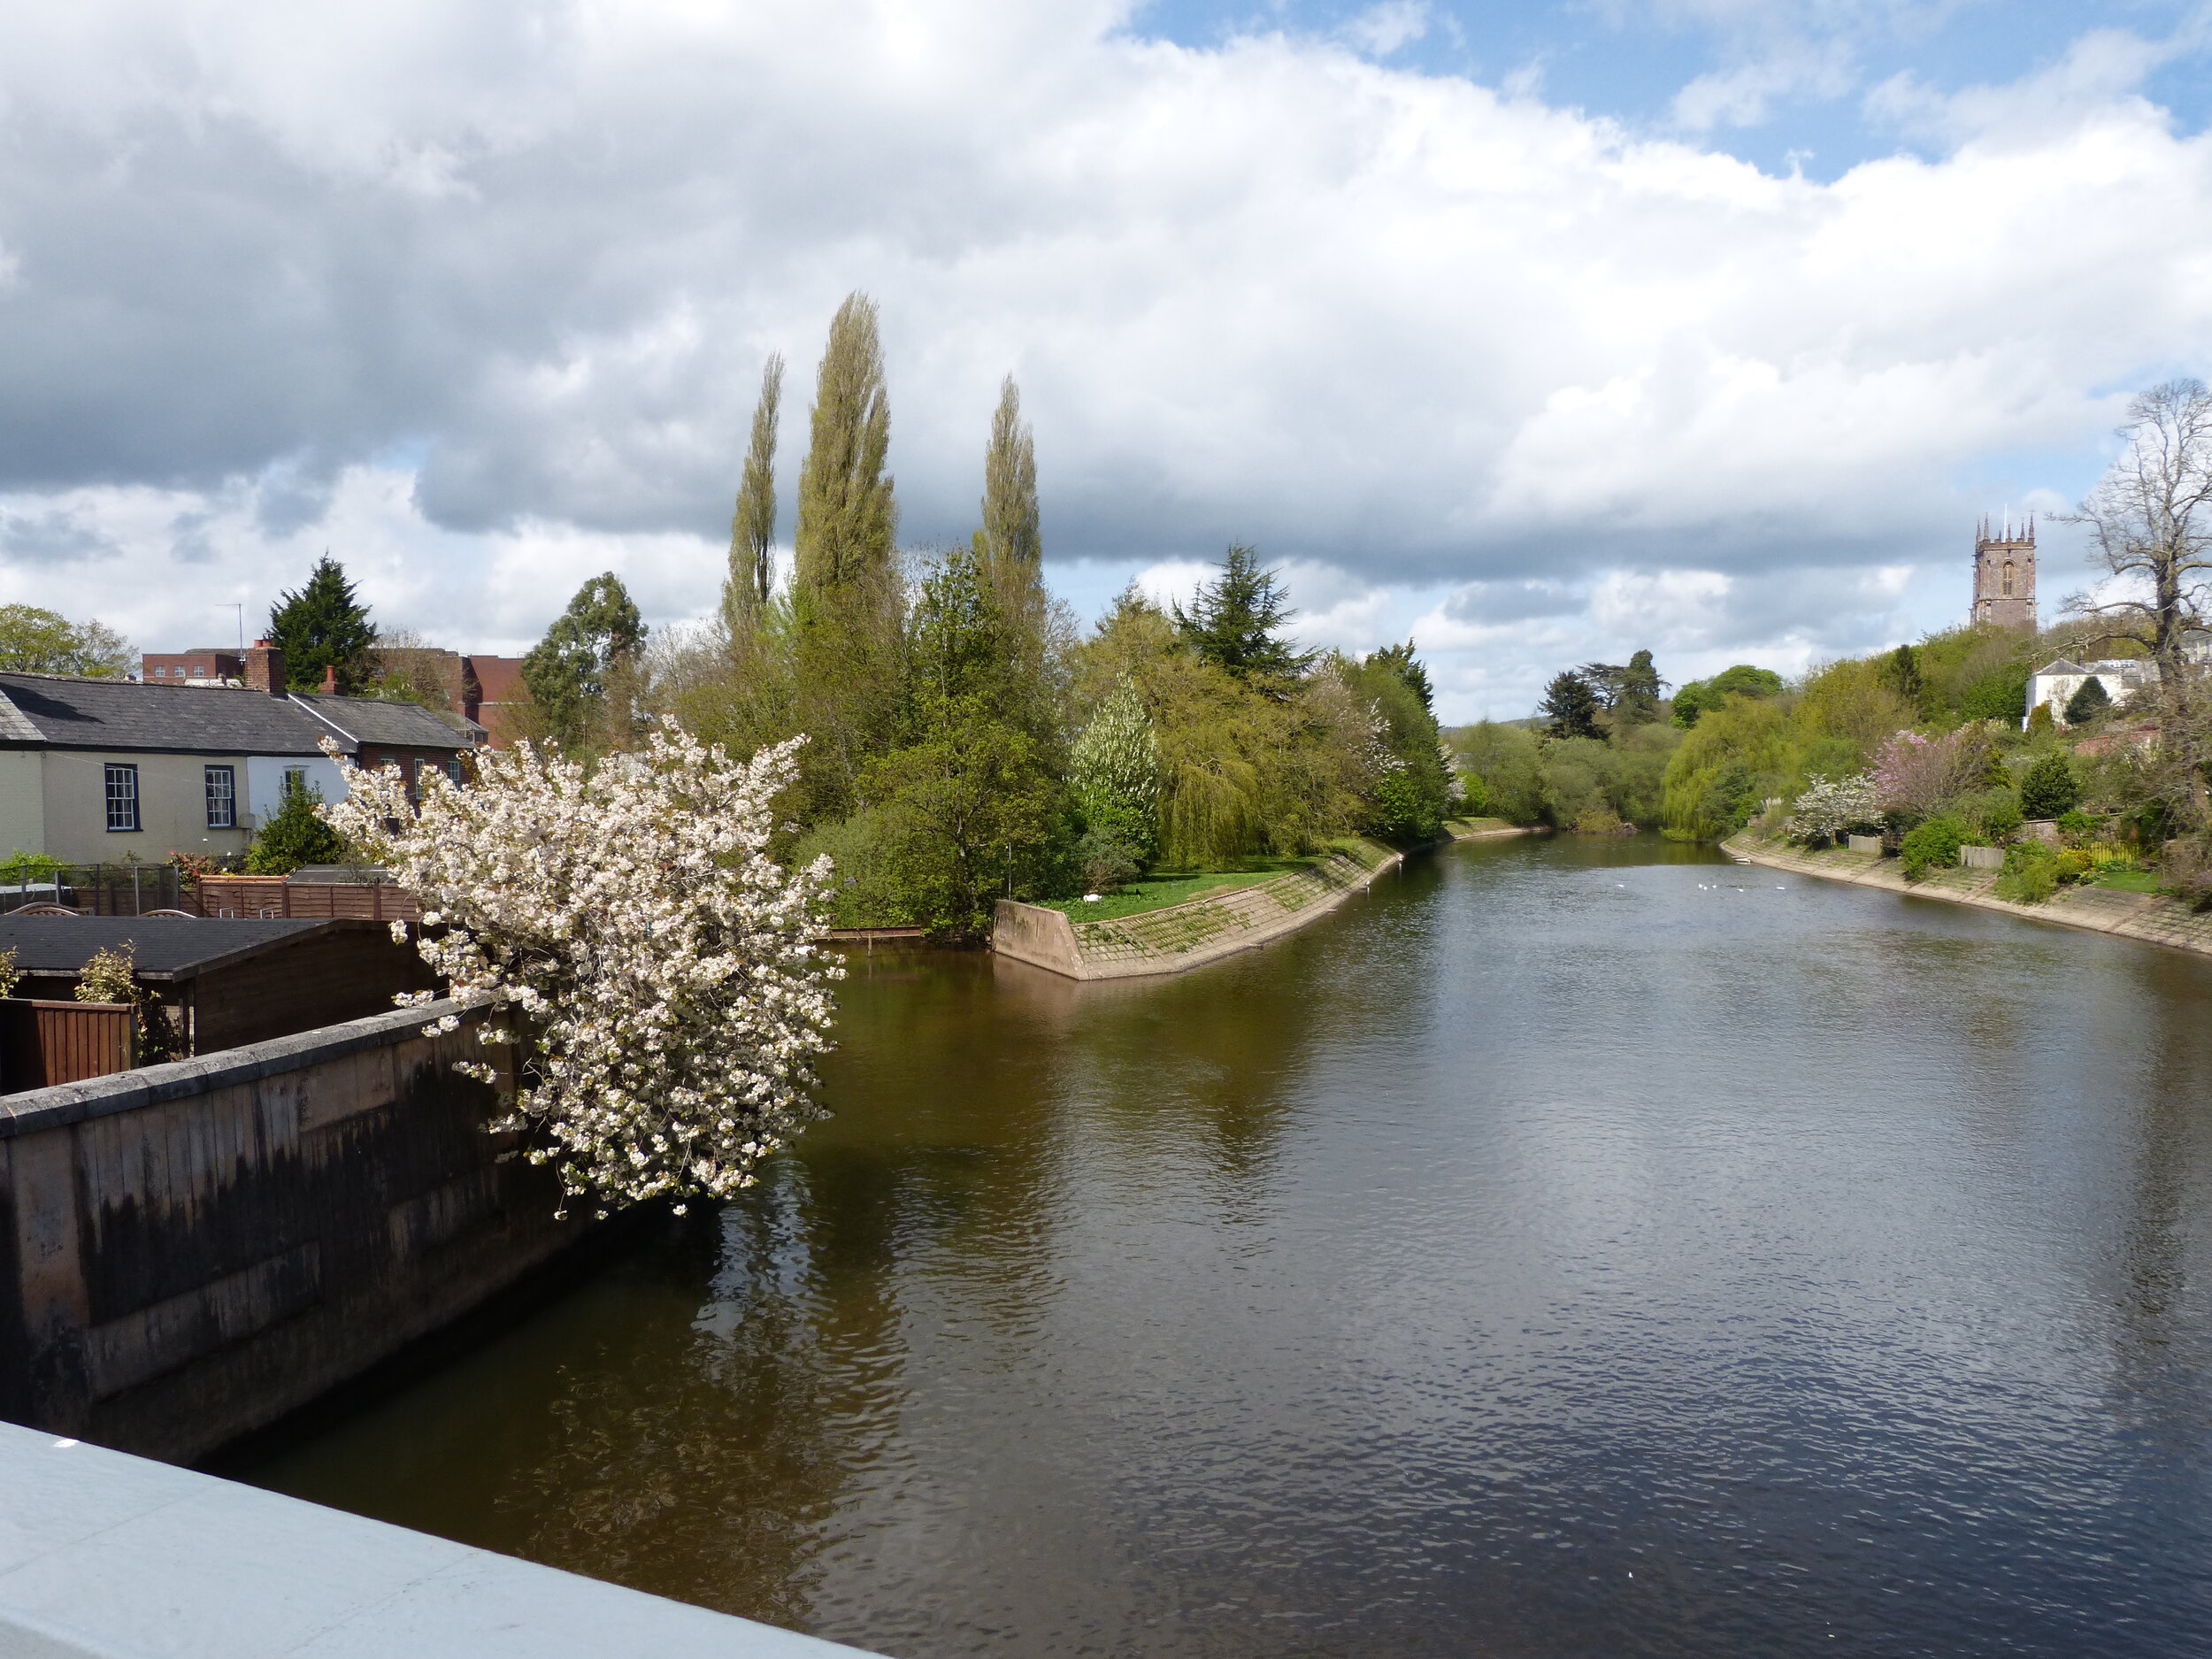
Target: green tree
[294, 835]
[2000, 694]
[847, 521]
[1011, 545]
[323, 626]
[1114, 772]
[1903, 674]
[571, 671]
[967, 802]
[1638, 699]
[38, 641]
[1699, 697]
[1408, 801]
[1234, 623]
[1570, 706]
[2049, 787]
[2090, 701]
[746, 591]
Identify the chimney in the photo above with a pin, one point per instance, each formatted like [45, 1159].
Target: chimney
[330, 680]
[264, 668]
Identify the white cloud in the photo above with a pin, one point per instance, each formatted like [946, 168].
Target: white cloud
[477, 296]
[1388, 27]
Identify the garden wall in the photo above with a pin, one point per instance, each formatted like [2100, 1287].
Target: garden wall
[189, 1251]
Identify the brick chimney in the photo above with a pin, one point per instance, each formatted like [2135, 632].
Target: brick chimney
[330, 680]
[264, 668]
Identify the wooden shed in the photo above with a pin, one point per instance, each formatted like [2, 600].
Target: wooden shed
[227, 982]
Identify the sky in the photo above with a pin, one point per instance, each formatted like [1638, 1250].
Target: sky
[1535, 333]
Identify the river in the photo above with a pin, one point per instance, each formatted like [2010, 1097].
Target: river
[1572, 1247]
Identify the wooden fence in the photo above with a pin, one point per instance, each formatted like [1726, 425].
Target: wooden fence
[41, 1043]
[272, 896]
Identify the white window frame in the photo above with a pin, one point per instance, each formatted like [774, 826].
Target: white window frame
[125, 774]
[227, 799]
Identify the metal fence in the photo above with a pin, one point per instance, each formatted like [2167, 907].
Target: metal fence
[99, 889]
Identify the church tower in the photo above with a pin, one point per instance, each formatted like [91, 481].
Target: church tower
[2004, 575]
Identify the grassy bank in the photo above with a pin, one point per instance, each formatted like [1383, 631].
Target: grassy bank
[1158, 889]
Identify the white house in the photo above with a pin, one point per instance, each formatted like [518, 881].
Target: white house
[92, 771]
[2057, 682]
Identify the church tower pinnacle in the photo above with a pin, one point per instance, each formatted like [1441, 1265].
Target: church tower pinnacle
[2004, 574]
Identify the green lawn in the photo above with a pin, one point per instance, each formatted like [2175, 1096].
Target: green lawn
[2129, 880]
[1159, 888]
[1477, 825]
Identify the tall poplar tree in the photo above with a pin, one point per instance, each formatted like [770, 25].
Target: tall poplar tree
[847, 518]
[753, 526]
[1011, 548]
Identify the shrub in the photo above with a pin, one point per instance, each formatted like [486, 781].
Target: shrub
[296, 836]
[2040, 720]
[2074, 863]
[2186, 872]
[1994, 813]
[8, 972]
[1107, 861]
[1935, 845]
[2074, 821]
[2089, 702]
[2029, 875]
[2049, 787]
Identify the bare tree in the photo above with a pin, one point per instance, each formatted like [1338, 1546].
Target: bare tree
[2151, 515]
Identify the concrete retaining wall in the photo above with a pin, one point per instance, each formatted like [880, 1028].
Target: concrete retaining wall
[2151, 917]
[189, 1251]
[1181, 936]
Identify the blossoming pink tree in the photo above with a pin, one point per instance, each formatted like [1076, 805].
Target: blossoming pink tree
[1919, 776]
[661, 977]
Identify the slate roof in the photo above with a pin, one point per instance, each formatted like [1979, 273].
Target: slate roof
[53, 710]
[2063, 665]
[62, 712]
[164, 948]
[357, 720]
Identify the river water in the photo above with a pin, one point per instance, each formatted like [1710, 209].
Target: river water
[1573, 1248]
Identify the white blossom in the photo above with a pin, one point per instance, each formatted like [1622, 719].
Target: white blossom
[1829, 807]
[665, 976]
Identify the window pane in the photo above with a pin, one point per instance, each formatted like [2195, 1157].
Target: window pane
[222, 798]
[122, 797]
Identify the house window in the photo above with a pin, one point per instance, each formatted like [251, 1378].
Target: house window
[222, 798]
[295, 780]
[122, 798]
[453, 768]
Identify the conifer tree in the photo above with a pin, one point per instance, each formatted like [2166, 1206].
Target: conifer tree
[1571, 707]
[323, 626]
[2090, 700]
[1233, 622]
[848, 518]
[753, 525]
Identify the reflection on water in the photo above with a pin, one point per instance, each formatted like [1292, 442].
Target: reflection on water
[1571, 1248]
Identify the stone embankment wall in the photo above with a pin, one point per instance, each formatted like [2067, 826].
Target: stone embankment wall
[2150, 917]
[1200, 930]
[189, 1251]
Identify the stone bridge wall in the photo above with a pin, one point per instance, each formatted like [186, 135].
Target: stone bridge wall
[189, 1251]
